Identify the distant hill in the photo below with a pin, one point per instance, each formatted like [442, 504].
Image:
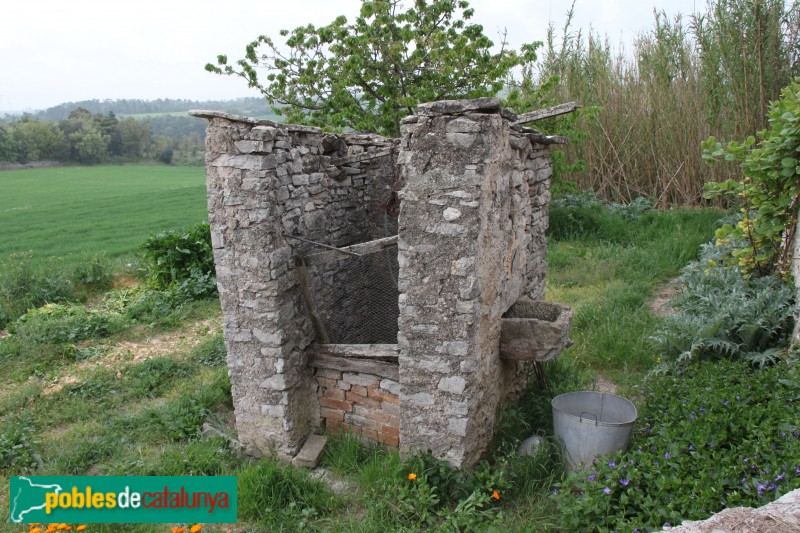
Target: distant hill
[253, 106]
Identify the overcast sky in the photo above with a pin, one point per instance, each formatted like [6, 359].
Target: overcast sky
[54, 51]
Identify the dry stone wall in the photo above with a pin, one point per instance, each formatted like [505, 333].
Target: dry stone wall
[472, 189]
[471, 243]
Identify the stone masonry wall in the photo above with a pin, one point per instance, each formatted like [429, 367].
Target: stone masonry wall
[467, 252]
[265, 181]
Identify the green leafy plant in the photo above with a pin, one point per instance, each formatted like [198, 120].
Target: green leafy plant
[723, 314]
[710, 436]
[369, 74]
[769, 190]
[63, 324]
[25, 286]
[183, 258]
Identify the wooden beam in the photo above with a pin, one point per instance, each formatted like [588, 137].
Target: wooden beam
[540, 138]
[365, 351]
[363, 248]
[561, 109]
[308, 298]
[349, 364]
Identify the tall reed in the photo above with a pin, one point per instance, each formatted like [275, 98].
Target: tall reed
[684, 80]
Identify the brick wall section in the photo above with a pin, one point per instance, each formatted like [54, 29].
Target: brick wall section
[361, 404]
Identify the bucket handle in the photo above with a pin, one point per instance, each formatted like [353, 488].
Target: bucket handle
[590, 414]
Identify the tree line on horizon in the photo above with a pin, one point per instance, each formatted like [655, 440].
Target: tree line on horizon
[99, 131]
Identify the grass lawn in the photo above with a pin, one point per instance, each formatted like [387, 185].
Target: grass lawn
[105, 408]
[75, 212]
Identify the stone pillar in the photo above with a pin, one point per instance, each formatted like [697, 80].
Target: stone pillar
[465, 256]
[248, 169]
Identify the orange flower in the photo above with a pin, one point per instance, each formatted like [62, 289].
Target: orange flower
[195, 528]
[412, 476]
[177, 529]
[496, 495]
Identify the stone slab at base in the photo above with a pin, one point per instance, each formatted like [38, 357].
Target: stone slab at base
[309, 454]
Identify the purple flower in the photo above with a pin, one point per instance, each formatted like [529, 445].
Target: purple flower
[691, 415]
[691, 448]
[746, 459]
[780, 477]
[555, 491]
[772, 486]
[625, 482]
[702, 409]
[656, 463]
[591, 477]
[639, 451]
[667, 455]
[612, 464]
[744, 480]
[797, 470]
[708, 388]
[726, 403]
[607, 490]
[595, 461]
[761, 487]
[631, 461]
[738, 398]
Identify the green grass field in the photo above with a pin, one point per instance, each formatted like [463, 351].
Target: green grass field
[75, 212]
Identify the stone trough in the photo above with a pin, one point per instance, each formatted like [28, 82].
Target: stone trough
[534, 331]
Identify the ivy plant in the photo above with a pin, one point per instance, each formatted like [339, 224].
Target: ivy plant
[769, 189]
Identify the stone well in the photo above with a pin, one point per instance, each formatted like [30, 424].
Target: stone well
[364, 280]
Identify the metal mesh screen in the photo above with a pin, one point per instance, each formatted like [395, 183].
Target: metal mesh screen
[356, 297]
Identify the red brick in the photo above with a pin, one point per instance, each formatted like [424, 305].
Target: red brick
[335, 404]
[389, 431]
[389, 441]
[359, 389]
[370, 434]
[333, 394]
[361, 410]
[378, 416]
[363, 400]
[349, 428]
[393, 421]
[331, 414]
[332, 425]
[382, 395]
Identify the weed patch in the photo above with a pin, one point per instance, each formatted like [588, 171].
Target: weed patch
[711, 436]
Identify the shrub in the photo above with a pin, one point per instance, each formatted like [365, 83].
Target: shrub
[62, 324]
[714, 435]
[24, 286]
[94, 275]
[723, 314]
[182, 258]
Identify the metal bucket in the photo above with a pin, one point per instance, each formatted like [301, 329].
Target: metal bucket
[591, 423]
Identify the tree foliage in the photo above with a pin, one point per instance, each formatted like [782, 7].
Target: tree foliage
[368, 74]
[769, 189]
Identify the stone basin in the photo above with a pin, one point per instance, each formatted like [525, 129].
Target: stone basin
[534, 330]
